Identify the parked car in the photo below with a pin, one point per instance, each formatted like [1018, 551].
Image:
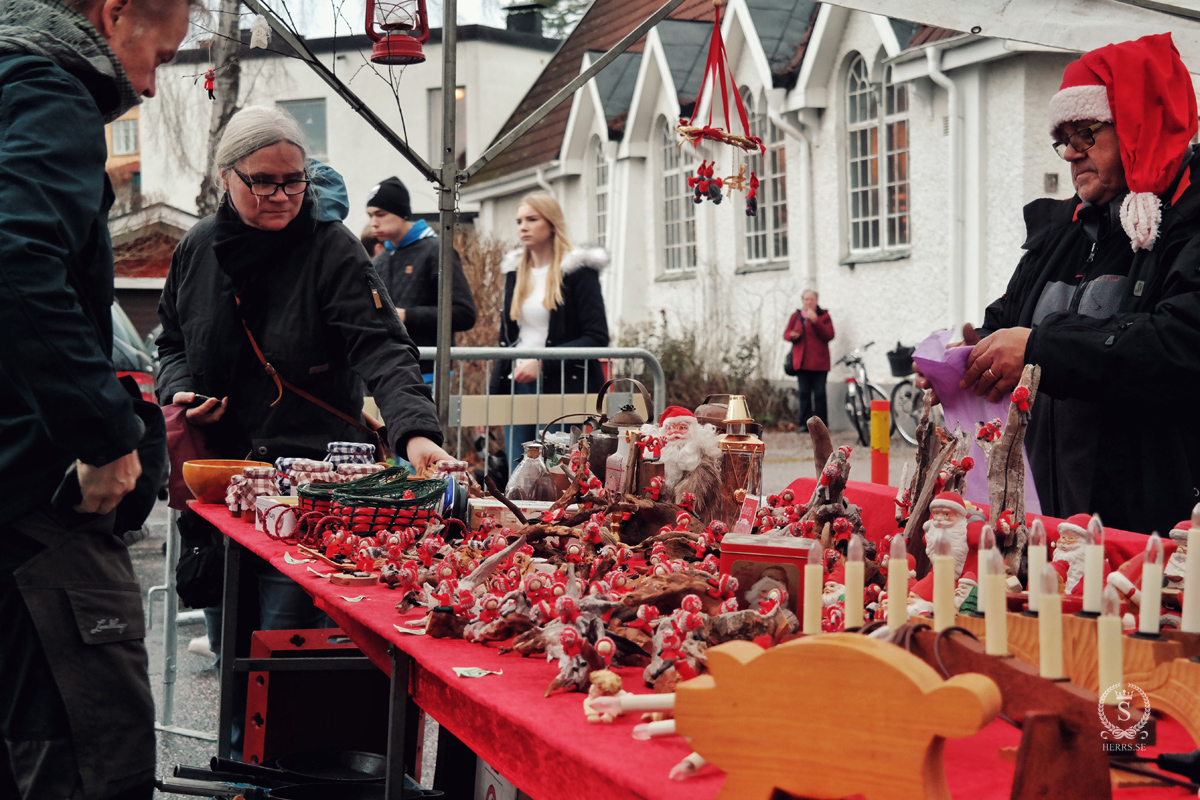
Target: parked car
[130, 355]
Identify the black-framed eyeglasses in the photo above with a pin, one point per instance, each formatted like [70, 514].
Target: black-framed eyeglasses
[1082, 140]
[268, 188]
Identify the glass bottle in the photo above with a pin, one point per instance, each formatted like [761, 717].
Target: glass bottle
[531, 479]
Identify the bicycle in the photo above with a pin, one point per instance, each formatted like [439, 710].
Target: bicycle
[859, 394]
[907, 401]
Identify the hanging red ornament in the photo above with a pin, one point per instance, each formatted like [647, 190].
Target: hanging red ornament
[716, 70]
[208, 84]
[752, 196]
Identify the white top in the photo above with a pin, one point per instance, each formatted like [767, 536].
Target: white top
[535, 317]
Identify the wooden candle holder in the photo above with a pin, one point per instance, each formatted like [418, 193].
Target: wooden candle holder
[1159, 667]
[897, 755]
[1061, 753]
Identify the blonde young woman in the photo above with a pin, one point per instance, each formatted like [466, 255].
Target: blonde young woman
[551, 299]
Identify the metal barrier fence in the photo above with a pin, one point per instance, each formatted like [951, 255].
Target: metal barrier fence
[477, 406]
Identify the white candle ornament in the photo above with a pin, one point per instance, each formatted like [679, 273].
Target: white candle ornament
[1150, 611]
[1037, 560]
[1108, 646]
[897, 584]
[813, 583]
[854, 583]
[987, 540]
[1050, 644]
[996, 622]
[1191, 578]
[1093, 565]
[943, 585]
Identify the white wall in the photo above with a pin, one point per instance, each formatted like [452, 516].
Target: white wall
[175, 124]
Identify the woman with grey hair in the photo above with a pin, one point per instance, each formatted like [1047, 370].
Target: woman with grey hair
[268, 281]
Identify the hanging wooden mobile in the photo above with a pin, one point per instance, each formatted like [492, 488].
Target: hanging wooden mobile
[705, 184]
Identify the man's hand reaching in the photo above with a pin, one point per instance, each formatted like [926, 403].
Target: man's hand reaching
[995, 365]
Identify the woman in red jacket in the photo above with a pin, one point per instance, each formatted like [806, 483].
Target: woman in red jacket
[810, 330]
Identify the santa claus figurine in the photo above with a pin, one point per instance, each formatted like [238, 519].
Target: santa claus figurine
[1177, 563]
[1072, 534]
[948, 520]
[834, 589]
[690, 458]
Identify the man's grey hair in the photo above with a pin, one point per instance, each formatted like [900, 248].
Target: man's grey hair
[807, 292]
[252, 129]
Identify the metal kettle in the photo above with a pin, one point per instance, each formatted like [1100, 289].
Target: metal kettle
[606, 436]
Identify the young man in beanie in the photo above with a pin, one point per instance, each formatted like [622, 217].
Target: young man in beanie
[408, 265]
[1107, 297]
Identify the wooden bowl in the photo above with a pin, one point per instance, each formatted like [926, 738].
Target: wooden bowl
[208, 479]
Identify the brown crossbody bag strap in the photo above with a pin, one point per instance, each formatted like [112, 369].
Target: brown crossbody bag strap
[282, 383]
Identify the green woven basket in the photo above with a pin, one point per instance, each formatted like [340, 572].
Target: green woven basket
[379, 508]
[319, 496]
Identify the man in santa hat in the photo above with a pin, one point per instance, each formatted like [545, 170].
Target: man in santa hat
[1107, 296]
[948, 521]
[690, 456]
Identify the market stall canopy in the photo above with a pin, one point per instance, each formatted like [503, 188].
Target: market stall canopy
[1070, 24]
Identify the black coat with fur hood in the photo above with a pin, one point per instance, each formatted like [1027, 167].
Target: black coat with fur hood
[579, 322]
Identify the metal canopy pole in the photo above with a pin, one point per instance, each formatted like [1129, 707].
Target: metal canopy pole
[562, 94]
[447, 200]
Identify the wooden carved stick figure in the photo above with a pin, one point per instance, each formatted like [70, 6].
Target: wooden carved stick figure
[737, 181]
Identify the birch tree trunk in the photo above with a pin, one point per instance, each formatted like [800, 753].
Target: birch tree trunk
[225, 47]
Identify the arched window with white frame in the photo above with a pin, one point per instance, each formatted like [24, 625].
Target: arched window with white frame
[895, 120]
[678, 210]
[877, 160]
[766, 234]
[601, 176]
[862, 128]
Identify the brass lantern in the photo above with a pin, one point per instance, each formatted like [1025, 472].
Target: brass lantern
[397, 18]
[741, 458]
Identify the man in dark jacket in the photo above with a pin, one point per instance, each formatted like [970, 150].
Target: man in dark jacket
[810, 330]
[76, 711]
[1107, 297]
[408, 266]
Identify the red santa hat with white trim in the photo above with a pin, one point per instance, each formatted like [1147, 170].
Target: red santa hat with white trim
[674, 411]
[1179, 534]
[1076, 524]
[951, 501]
[1145, 91]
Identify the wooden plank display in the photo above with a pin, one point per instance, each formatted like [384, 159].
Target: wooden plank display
[1162, 668]
[898, 756]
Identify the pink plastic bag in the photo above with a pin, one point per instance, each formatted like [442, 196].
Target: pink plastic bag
[944, 367]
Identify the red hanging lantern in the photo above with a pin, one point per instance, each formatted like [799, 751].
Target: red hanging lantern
[395, 45]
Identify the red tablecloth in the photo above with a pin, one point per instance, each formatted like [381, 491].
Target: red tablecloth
[545, 745]
[878, 505]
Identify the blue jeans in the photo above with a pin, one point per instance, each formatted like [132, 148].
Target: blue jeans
[516, 435]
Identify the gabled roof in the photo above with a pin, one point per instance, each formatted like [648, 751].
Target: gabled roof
[685, 44]
[615, 86]
[601, 27]
[783, 29]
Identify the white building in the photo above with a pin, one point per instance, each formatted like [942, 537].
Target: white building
[495, 69]
[901, 206]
